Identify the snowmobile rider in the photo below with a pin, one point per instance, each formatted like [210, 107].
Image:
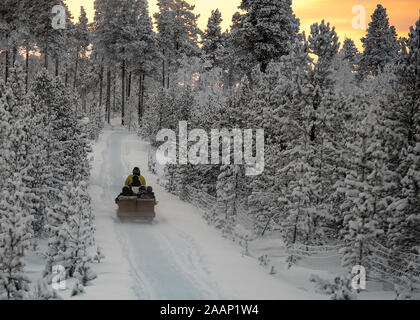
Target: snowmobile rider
[136, 172]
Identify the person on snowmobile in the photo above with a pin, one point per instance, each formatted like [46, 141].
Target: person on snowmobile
[136, 172]
[126, 192]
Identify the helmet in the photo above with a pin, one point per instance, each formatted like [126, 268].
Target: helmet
[149, 189]
[126, 191]
[136, 171]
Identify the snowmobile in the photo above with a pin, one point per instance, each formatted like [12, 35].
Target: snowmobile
[138, 205]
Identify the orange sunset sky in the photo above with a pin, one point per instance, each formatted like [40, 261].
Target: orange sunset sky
[402, 13]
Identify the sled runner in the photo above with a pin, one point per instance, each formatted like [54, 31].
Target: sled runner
[136, 207]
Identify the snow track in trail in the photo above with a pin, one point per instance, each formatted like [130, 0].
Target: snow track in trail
[178, 256]
[161, 268]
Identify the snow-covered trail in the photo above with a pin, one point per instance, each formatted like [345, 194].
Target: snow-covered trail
[178, 256]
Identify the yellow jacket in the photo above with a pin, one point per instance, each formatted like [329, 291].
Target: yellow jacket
[129, 180]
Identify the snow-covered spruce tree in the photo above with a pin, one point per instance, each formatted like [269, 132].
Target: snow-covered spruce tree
[323, 42]
[408, 84]
[228, 177]
[131, 114]
[211, 111]
[350, 53]
[50, 41]
[403, 231]
[227, 192]
[66, 134]
[295, 179]
[4, 133]
[328, 120]
[14, 221]
[364, 207]
[158, 115]
[265, 32]
[81, 43]
[380, 44]
[20, 196]
[61, 142]
[265, 110]
[71, 240]
[146, 53]
[354, 110]
[41, 182]
[213, 40]
[178, 35]
[96, 122]
[403, 234]
[343, 76]
[14, 239]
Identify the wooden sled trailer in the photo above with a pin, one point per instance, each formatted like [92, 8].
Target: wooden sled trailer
[134, 207]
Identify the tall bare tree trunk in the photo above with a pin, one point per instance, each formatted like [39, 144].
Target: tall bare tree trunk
[75, 69]
[142, 93]
[140, 108]
[46, 43]
[108, 95]
[101, 79]
[163, 69]
[6, 75]
[57, 65]
[129, 85]
[114, 90]
[26, 67]
[123, 92]
[14, 50]
[84, 100]
[7, 66]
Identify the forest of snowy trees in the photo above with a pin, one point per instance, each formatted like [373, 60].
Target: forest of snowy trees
[342, 135]
[45, 141]
[342, 127]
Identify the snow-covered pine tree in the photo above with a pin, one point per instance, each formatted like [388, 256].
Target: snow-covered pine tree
[403, 234]
[19, 138]
[104, 40]
[364, 208]
[14, 221]
[265, 32]
[350, 53]
[403, 231]
[18, 105]
[213, 40]
[380, 44]
[82, 40]
[72, 238]
[4, 133]
[323, 42]
[131, 114]
[40, 172]
[59, 142]
[266, 110]
[145, 53]
[50, 41]
[96, 122]
[227, 190]
[355, 107]
[178, 34]
[295, 179]
[14, 239]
